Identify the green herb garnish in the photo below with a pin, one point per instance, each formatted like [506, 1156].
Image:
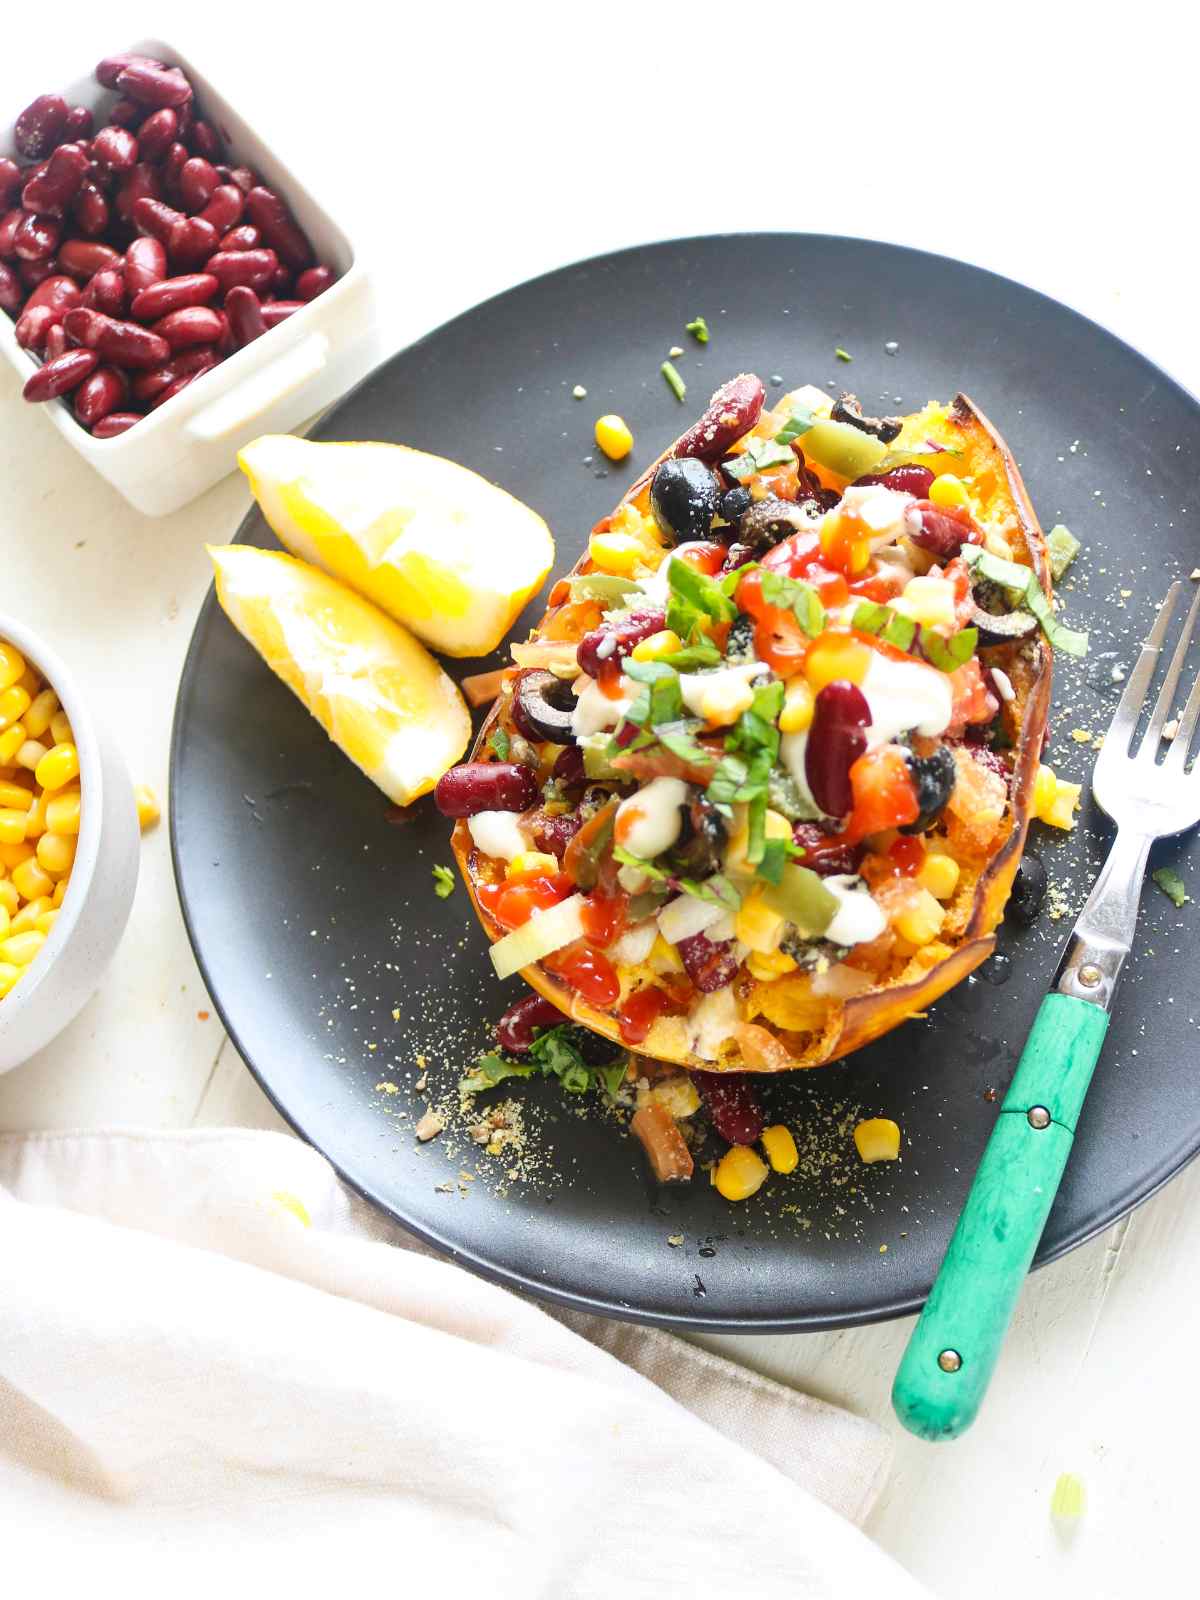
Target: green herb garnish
[676, 383]
[843, 355]
[801, 599]
[717, 890]
[798, 423]
[871, 617]
[443, 882]
[1030, 596]
[1171, 884]
[698, 328]
[758, 455]
[555, 1053]
[501, 744]
[1062, 547]
[776, 855]
[703, 653]
[659, 699]
[693, 597]
[949, 654]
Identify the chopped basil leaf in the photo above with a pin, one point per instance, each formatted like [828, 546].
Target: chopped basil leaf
[949, 654]
[756, 827]
[801, 599]
[730, 581]
[871, 617]
[603, 586]
[798, 423]
[756, 729]
[1062, 547]
[716, 890]
[693, 597]
[492, 1069]
[501, 744]
[1171, 884]
[776, 855]
[698, 328]
[1032, 597]
[758, 455]
[659, 699]
[703, 653]
[679, 738]
[443, 882]
[677, 385]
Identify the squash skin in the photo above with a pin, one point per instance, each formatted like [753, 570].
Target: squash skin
[863, 1018]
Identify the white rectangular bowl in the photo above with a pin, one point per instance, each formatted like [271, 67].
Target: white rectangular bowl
[299, 366]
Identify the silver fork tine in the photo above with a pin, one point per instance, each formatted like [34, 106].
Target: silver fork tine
[1148, 749]
[1129, 707]
[1177, 755]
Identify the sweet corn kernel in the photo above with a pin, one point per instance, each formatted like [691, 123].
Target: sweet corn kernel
[877, 1139]
[20, 948]
[46, 921]
[30, 753]
[62, 812]
[13, 826]
[11, 741]
[30, 681]
[724, 702]
[532, 861]
[32, 879]
[41, 708]
[9, 898]
[927, 601]
[60, 890]
[921, 920]
[5, 923]
[12, 855]
[834, 656]
[12, 665]
[1054, 801]
[678, 1095]
[15, 795]
[663, 643]
[14, 702]
[616, 553]
[781, 1148]
[56, 854]
[60, 728]
[766, 968]
[8, 976]
[939, 875]
[797, 713]
[35, 820]
[758, 926]
[28, 915]
[613, 437]
[740, 1172]
[664, 957]
[58, 766]
[949, 490]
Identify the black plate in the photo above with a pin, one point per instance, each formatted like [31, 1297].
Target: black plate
[313, 919]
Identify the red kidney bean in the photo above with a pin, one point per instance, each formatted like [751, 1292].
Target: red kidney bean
[912, 479]
[836, 739]
[34, 324]
[12, 291]
[41, 126]
[142, 183]
[277, 311]
[36, 237]
[11, 178]
[187, 115]
[156, 218]
[191, 325]
[56, 341]
[60, 376]
[202, 139]
[32, 273]
[145, 264]
[568, 768]
[52, 192]
[104, 391]
[146, 385]
[152, 84]
[613, 641]
[117, 422]
[313, 282]
[173, 294]
[516, 1028]
[60, 293]
[280, 286]
[116, 149]
[732, 411]
[477, 786]
[244, 177]
[106, 292]
[173, 389]
[9, 224]
[942, 530]
[224, 207]
[243, 238]
[91, 209]
[125, 344]
[244, 311]
[83, 258]
[279, 228]
[156, 135]
[824, 853]
[110, 69]
[709, 965]
[192, 241]
[731, 1100]
[254, 268]
[126, 113]
[79, 124]
[174, 162]
[197, 180]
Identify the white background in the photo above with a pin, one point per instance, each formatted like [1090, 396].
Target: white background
[471, 147]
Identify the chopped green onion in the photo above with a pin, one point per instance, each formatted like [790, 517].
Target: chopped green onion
[676, 383]
[443, 882]
[1062, 547]
[1032, 597]
[698, 328]
[949, 654]
[843, 355]
[1171, 884]
[501, 744]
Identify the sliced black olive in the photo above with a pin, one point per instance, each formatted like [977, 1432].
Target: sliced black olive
[734, 504]
[933, 777]
[847, 409]
[701, 847]
[542, 706]
[770, 522]
[1028, 892]
[683, 498]
[811, 954]
[995, 628]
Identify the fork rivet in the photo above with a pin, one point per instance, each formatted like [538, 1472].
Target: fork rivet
[949, 1360]
[1090, 976]
[1039, 1117]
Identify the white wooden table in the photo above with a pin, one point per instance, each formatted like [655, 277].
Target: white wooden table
[480, 145]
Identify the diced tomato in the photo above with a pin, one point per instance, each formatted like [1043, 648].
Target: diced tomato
[640, 1012]
[662, 763]
[779, 640]
[588, 972]
[884, 793]
[959, 574]
[518, 898]
[973, 700]
[794, 554]
[782, 481]
[704, 555]
[603, 916]
[878, 586]
[907, 854]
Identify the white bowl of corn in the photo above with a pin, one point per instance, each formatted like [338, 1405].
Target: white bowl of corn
[68, 846]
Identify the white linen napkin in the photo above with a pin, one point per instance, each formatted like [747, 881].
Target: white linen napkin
[217, 1368]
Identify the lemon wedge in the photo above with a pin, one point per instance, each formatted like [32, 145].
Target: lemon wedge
[379, 695]
[438, 547]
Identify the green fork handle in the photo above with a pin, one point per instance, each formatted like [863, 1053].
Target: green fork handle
[951, 1355]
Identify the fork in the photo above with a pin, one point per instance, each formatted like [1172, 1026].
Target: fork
[946, 1368]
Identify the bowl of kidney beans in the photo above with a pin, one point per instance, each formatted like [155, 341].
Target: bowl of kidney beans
[148, 241]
